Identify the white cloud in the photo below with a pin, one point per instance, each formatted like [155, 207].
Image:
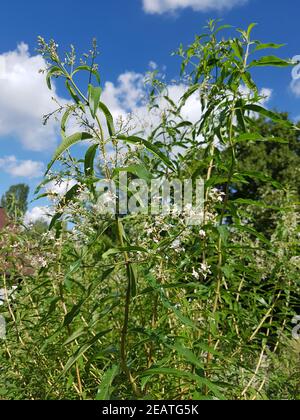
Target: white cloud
[24, 99]
[162, 6]
[127, 97]
[21, 168]
[295, 87]
[266, 94]
[60, 187]
[128, 93]
[37, 214]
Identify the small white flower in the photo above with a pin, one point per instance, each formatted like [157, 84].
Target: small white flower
[205, 269]
[175, 245]
[202, 233]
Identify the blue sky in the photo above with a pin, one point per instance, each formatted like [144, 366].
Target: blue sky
[131, 33]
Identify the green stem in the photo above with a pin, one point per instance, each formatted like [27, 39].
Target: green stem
[124, 333]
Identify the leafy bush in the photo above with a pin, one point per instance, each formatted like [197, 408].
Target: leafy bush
[118, 301]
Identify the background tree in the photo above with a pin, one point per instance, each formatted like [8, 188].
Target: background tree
[15, 200]
[269, 167]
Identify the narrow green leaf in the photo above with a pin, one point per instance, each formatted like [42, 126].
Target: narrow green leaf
[250, 28]
[268, 114]
[258, 137]
[53, 72]
[64, 121]
[114, 251]
[237, 48]
[253, 232]
[89, 160]
[247, 79]
[66, 144]
[139, 170]
[104, 391]
[260, 46]
[240, 119]
[270, 61]
[149, 146]
[83, 349]
[78, 333]
[54, 219]
[188, 93]
[89, 69]
[72, 314]
[190, 376]
[132, 275]
[73, 94]
[94, 99]
[188, 355]
[109, 119]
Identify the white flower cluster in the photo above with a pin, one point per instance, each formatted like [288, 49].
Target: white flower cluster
[203, 271]
[7, 294]
[216, 195]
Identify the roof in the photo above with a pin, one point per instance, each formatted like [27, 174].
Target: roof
[3, 218]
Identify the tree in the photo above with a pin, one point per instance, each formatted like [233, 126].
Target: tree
[269, 168]
[279, 161]
[15, 200]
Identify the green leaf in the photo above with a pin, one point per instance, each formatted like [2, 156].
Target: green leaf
[64, 121]
[94, 99]
[132, 276]
[89, 160]
[53, 72]
[188, 355]
[270, 61]
[262, 177]
[253, 232]
[221, 28]
[73, 94]
[268, 114]
[185, 320]
[138, 170]
[104, 391]
[250, 28]
[241, 119]
[258, 137]
[237, 48]
[72, 314]
[83, 349]
[89, 69]
[260, 46]
[190, 376]
[246, 77]
[54, 219]
[184, 124]
[52, 308]
[78, 333]
[114, 251]
[109, 119]
[66, 144]
[188, 93]
[260, 204]
[150, 147]
[69, 195]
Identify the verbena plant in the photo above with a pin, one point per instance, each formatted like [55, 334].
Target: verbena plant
[122, 300]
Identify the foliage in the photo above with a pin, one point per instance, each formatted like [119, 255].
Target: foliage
[15, 200]
[118, 301]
